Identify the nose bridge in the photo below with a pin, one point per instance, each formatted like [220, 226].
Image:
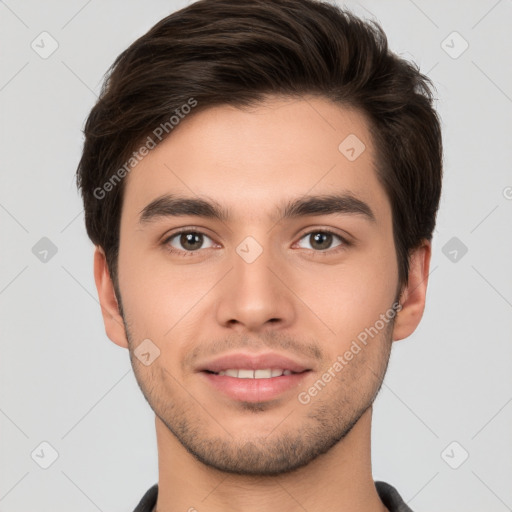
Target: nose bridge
[253, 295]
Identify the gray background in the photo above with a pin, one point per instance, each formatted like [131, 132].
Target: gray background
[64, 383]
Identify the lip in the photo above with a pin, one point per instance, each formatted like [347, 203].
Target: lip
[254, 390]
[253, 361]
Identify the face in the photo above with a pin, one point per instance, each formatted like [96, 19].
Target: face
[250, 241]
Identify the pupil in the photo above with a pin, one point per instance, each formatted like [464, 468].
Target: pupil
[323, 240]
[188, 240]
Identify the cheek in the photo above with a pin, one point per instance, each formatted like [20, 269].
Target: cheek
[347, 299]
[156, 294]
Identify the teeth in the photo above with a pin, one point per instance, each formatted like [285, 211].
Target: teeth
[254, 374]
[262, 374]
[245, 374]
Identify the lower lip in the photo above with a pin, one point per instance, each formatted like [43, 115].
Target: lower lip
[255, 390]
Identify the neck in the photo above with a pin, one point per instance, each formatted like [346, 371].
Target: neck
[338, 480]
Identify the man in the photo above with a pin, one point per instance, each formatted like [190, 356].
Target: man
[261, 180]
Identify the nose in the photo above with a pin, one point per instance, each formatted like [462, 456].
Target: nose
[254, 296]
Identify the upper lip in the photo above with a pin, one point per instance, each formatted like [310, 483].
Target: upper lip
[253, 361]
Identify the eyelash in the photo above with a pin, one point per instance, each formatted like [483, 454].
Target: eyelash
[179, 252]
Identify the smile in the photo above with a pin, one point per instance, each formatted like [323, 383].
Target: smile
[254, 374]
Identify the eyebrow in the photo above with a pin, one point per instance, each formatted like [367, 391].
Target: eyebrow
[177, 206]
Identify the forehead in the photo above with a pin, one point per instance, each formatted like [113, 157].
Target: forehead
[250, 160]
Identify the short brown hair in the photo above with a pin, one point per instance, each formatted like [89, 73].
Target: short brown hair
[237, 52]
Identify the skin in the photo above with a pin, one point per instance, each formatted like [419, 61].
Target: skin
[219, 454]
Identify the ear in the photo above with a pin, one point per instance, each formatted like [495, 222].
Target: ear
[413, 295]
[114, 326]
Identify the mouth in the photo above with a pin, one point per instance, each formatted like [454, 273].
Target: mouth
[254, 377]
[267, 373]
[256, 386]
[246, 365]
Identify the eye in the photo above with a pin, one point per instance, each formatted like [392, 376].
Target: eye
[321, 240]
[188, 241]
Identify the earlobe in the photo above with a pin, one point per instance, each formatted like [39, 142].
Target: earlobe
[413, 295]
[114, 326]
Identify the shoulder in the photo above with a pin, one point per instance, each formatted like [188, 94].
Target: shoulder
[391, 498]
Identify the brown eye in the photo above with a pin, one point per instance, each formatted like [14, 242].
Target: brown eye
[321, 240]
[189, 241]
